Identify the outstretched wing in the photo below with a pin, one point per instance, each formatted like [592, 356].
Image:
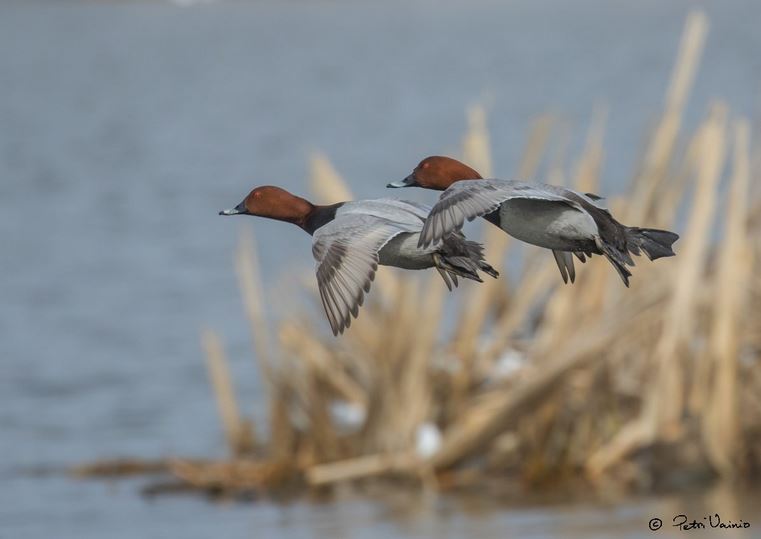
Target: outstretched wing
[474, 198]
[346, 251]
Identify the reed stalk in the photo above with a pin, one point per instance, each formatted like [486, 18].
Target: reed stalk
[237, 434]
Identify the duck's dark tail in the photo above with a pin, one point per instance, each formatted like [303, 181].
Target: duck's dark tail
[655, 243]
[460, 257]
[615, 240]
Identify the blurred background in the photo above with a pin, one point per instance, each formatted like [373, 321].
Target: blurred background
[126, 125]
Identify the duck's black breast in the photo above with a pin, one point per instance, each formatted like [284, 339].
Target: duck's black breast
[494, 217]
[320, 216]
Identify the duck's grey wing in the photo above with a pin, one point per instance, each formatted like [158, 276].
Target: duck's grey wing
[417, 209]
[474, 198]
[399, 211]
[346, 251]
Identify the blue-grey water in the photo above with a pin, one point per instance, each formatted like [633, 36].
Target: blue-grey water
[124, 128]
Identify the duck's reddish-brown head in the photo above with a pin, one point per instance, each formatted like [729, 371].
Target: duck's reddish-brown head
[274, 203]
[437, 172]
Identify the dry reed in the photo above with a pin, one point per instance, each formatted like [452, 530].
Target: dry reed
[237, 431]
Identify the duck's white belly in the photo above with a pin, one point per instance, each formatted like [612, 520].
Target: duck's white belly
[403, 252]
[548, 224]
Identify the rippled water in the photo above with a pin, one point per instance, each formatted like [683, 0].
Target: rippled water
[125, 126]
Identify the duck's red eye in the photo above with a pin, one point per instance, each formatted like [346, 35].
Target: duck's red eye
[426, 165]
[257, 195]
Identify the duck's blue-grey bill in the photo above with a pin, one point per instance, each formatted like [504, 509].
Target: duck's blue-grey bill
[409, 181]
[237, 210]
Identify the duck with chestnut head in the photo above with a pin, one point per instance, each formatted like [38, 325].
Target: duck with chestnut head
[350, 240]
[563, 220]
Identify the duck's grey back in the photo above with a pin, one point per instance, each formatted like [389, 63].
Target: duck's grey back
[410, 214]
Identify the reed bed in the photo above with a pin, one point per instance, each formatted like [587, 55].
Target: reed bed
[523, 383]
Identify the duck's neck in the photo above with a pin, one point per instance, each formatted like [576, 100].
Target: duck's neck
[319, 216]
